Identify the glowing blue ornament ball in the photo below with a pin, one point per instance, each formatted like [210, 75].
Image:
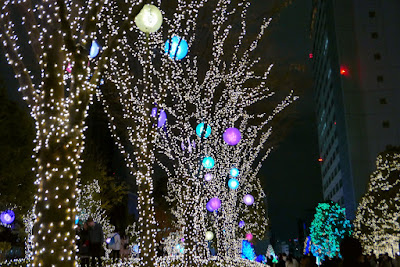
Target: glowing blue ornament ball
[234, 172]
[176, 48]
[94, 49]
[200, 129]
[233, 183]
[7, 217]
[208, 162]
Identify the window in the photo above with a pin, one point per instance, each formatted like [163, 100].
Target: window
[379, 78]
[377, 56]
[372, 14]
[374, 35]
[385, 124]
[382, 101]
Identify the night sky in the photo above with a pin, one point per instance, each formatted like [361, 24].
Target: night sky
[291, 175]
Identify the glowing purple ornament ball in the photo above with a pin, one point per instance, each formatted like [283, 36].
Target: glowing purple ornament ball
[208, 177]
[7, 217]
[248, 199]
[241, 224]
[214, 204]
[232, 136]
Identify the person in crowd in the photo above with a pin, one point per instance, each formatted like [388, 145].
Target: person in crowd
[96, 238]
[372, 260]
[115, 246]
[125, 249]
[291, 261]
[83, 245]
[396, 260]
[308, 261]
[281, 260]
[386, 261]
[351, 250]
[160, 250]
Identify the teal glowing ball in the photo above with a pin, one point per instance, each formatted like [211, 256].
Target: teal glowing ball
[200, 129]
[234, 172]
[208, 162]
[233, 183]
[176, 48]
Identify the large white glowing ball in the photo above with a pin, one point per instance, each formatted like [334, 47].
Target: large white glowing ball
[232, 136]
[233, 183]
[94, 49]
[248, 199]
[209, 235]
[208, 162]
[176, 48]
[249, 236]
[200, 129]
[208, 177]
[149, 19]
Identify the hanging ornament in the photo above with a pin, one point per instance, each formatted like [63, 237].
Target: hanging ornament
[213, 204]
[7, 217]
[232, 136]
[234, 172]
[149, 19]
[249, 236]
[200, 129]
[209, 235]
[208, 177]
[241, 224]
[176, 48]
[233, 183]
[208, 162]
[69, 68]
[162, 118]
[248, 199]
[94, 49]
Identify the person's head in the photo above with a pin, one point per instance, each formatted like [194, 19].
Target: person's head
[85, 225]
[90, 221]
[290, 258]
[350, 248]
[284, 257]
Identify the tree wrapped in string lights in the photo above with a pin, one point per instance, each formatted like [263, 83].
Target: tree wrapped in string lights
[377, 222]
[151, 78]
[51, 46]
[328, 229]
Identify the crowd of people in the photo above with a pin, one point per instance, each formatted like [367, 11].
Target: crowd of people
[352, 256]
[90, 244]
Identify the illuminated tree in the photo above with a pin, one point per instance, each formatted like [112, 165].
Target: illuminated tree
[150, 80]
[377, 222]
[55, 62]
[328, 229]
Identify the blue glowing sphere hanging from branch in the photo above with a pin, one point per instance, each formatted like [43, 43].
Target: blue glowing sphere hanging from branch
[233, 183]
[234, 172]
[208, 162]
[7, 217]
[200, 129]
[94, 49]
[176, 48]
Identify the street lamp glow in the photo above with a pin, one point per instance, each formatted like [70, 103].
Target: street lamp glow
[149, 19]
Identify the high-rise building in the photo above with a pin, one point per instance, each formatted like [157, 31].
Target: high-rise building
[356, 67]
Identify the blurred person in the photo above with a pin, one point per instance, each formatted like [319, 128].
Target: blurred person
[115, 246]
[351, 250]
[96, 238]
[291, 262]
[83, 245]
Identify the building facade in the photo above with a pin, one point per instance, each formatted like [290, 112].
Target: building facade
[356, 68]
